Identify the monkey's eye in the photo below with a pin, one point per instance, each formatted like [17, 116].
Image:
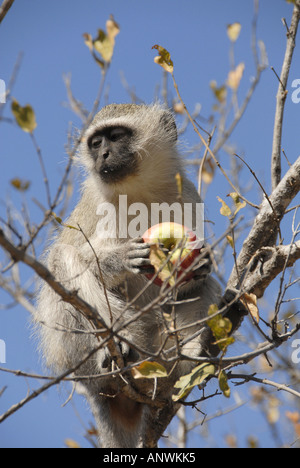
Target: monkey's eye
[96, 142]
[117, 134]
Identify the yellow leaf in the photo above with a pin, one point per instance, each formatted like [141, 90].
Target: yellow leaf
[250, 302]
[112, 28]
[19, 184]
[230, 241]
[104, 46]
[164, 59]
[178, 107]
[223, 384]
[221, 328]
[208, 170]
[238, 203]
[225, 210]
[25, 116]
[220, 93]
[149, 370]
[187, 382]
[70, 443]
[235, 76]
[233, 31]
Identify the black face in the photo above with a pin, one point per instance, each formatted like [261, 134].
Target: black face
[112, 153]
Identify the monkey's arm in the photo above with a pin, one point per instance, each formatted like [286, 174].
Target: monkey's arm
[117, 260]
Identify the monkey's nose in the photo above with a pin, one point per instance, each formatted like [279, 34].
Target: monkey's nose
[105, 155]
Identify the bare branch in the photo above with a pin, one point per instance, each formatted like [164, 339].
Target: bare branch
[281, 97]
[6, 5]
[266, 224]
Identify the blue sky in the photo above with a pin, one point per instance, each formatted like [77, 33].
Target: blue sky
[50, 35]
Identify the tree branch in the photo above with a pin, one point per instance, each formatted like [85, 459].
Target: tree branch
[281, 97]
[5, 8]
[267, 221]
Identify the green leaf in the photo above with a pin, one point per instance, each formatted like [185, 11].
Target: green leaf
[187, 382]
[25, 116]
[149, 370]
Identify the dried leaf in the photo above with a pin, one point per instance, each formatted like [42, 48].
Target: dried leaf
[220, 93]
[164, 59]
[112, 28]
[225, 210]
[149, 370]
[25, 116]
[233, 31]
[72, 444]
[235, 76]
[237, 201]
[230, 241]
[223, 384]
[250, 302]
[21, 185]
[208, 171]
[221, 328]
[187, 382]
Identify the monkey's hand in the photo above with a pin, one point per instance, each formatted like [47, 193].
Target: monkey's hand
[136, 259]
[203, 269]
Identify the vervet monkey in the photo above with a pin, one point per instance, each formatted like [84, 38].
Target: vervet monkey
[127, 150]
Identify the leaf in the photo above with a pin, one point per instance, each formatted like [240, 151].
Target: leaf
[21, 185]
[225, 210]
[149, 370]
[208, 170]
[264, 61]
[187, 382]
[237, 201]
[72, 444]
[219, 93]
[221, 328]
[230, 241]
[25, 116]
[164, 59]
[60, 221]
[104, 46]
[233, 31]
[112, 29]
[235, 76]
[250, 302]
[223, 384]
[104, 43]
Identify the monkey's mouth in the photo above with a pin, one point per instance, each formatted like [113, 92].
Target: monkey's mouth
[114, 174]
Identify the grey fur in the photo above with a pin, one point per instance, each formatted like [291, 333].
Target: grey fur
[72, 261]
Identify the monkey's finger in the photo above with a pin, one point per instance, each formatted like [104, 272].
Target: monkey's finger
[139, 253]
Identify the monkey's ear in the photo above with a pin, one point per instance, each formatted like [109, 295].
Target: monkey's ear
[168, 122]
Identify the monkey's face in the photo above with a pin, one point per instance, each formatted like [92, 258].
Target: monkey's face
[112, 153]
